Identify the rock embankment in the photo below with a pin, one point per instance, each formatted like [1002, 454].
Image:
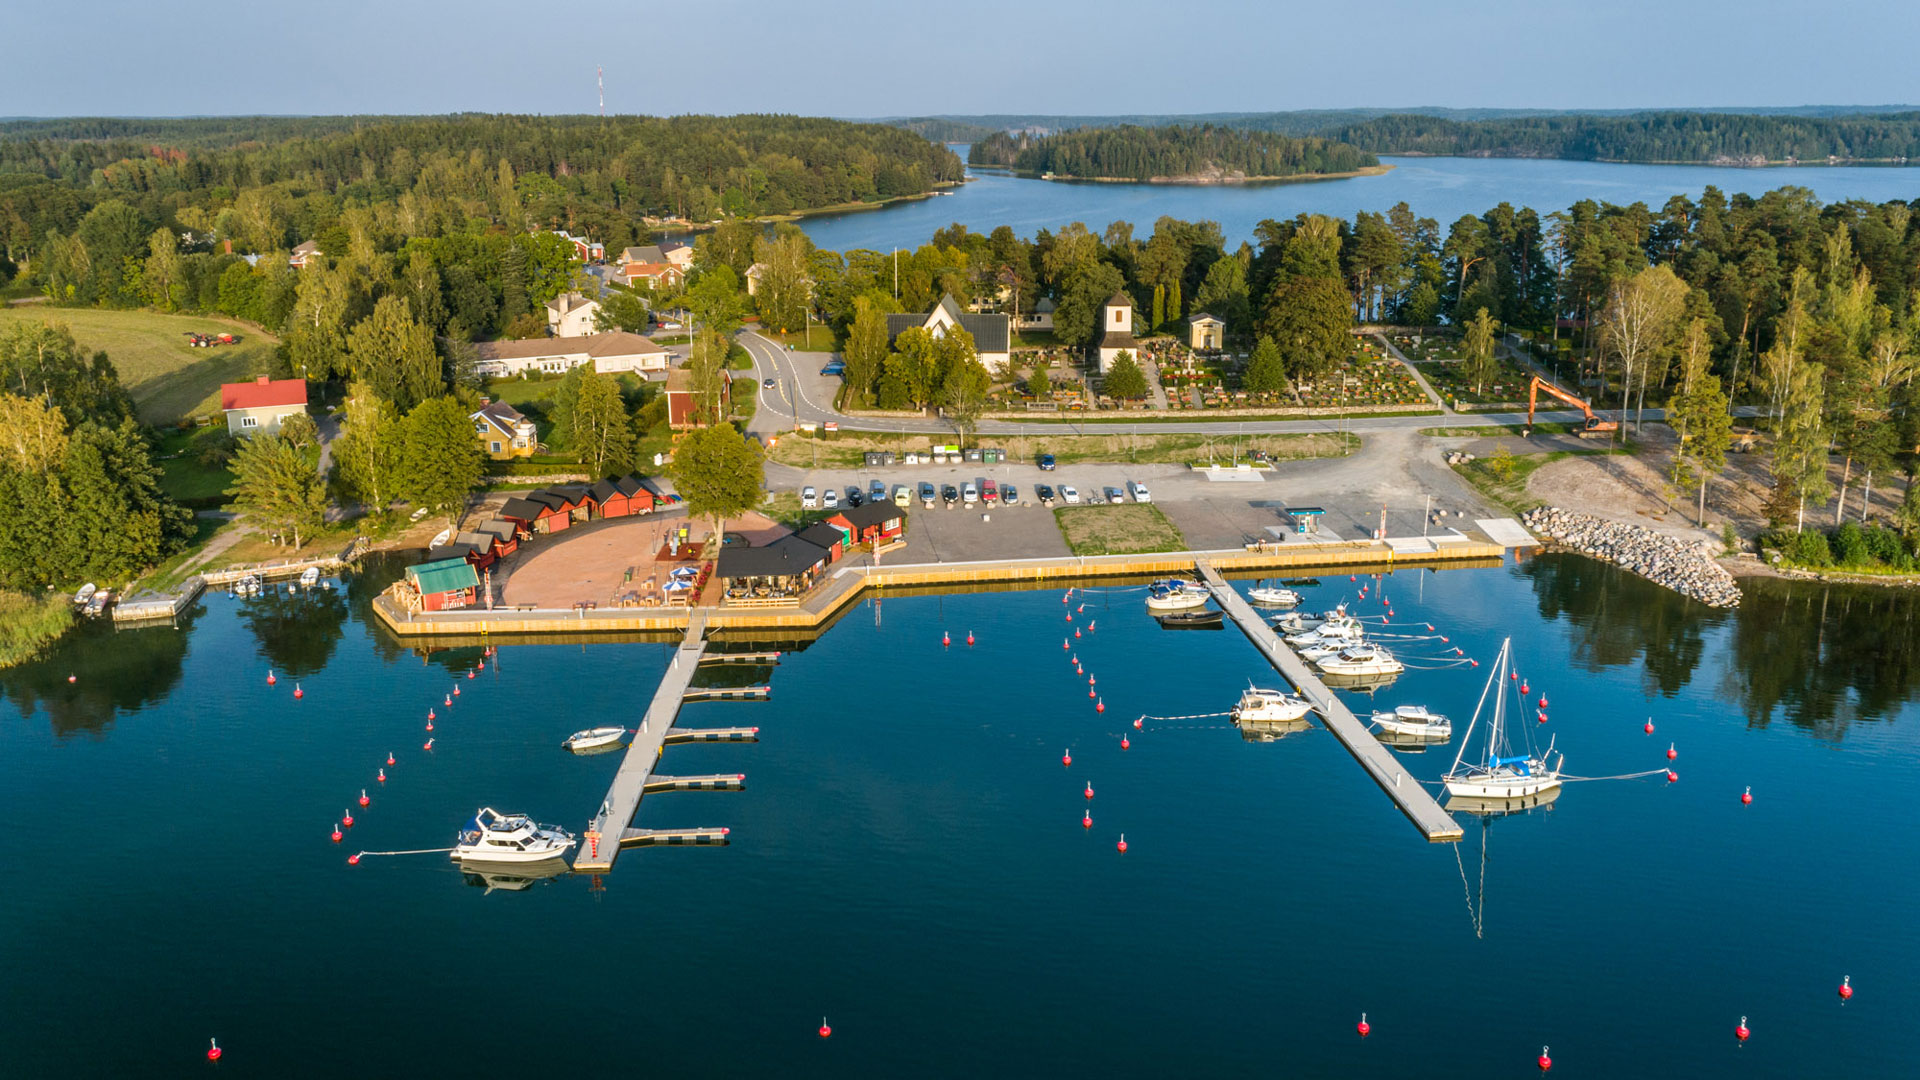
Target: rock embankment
[1688, 569]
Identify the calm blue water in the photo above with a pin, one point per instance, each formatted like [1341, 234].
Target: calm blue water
[908, 859]
[1439, 188]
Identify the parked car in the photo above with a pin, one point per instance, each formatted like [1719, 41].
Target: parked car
[1066, 492]
[1139, 491]
[830, 499]
[1009, 495]
[970, 492]
[902, 495]
[989, 492]
[1113, 494]
[1044, 492]
[834, 367]
[854, 498]
[949, 494]
[877, 491]
[926, 493]
[809, 498]
[1046, 462]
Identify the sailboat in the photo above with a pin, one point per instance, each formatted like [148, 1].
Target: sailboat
[1502, 775]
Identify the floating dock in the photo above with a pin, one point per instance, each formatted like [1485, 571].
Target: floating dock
[1407, 793]
[612, 827]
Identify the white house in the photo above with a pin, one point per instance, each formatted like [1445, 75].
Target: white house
[1116, 332]
[608, 353]
[992, 337]
[571, 315]
[260, 405]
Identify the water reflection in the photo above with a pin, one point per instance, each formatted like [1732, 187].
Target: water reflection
[515, 877]
[1822, 656]
[297, 628]
[1617, 618]
[1271, 730]
[111, 671]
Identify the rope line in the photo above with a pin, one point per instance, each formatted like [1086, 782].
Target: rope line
[1191, 716]
[1623, 776]
[422, 851]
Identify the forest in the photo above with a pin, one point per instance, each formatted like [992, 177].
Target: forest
[1173, 152]
[1686, 137]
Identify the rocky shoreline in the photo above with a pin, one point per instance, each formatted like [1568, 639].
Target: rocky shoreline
[1688, 569]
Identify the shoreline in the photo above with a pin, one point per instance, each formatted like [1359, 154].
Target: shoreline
[1197, 181]
[797, 215]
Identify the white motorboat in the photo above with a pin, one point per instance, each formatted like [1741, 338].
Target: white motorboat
[1273, 595]
[1162, 597]
[309, 577]
[1361, 659]
[251, 585]
[493, 837]
[594, 738]
[1257, 706]
[1502, 774]
[1414, 721]
[1344, 632]
[1298, 622]
[85, 594]
[1320, 651]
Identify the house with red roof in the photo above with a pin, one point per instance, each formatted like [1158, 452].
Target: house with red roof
[260, 405]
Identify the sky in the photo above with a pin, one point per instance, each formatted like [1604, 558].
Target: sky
[872, 58]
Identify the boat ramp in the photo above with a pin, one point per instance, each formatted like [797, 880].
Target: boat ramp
[1407, 793]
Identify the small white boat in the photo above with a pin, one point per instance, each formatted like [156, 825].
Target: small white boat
[439, 538]
[248, 586]
[493, 837]
[1325, 649]
[594, 738]
[1361, 659]
[1346, 632]
[85, 594]
[97, 603]
[1259, 706]
[1273, 595]
[1160, 597]
[309, 577]
[1297, 622]
[1503, 775]
[1415, 721]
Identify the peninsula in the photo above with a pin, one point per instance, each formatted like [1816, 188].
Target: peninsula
[1173, 154]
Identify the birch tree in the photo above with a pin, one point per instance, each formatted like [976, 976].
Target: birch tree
[1637, 328]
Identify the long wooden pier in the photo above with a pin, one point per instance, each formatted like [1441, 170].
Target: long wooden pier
[612, 827]
[1407, 793]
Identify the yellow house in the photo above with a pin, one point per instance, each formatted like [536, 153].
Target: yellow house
[1205, 333]
[504, 434]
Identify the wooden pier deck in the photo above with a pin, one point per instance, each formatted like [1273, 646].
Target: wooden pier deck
[611, 825]
[1407, 793]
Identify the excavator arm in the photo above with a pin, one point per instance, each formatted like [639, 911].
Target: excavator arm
[1593, 422]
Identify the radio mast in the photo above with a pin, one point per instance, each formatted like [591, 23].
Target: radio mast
[600, 80]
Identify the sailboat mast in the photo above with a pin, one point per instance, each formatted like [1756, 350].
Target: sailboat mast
[1467, 738]
[1497, 733]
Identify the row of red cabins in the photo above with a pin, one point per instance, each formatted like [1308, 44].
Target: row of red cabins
[550, 510]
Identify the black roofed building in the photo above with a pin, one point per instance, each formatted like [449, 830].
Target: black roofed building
[780, 571]
[1116, 332]
[992, 334]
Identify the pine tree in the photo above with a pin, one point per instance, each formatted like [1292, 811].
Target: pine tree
[1266, 369]
[1124, 378]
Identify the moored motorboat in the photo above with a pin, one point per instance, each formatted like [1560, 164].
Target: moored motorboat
[1193, 617]
[1257, 706]
[248, 586]
[1502, 774]
[493, 837]
[1299, 622]
[1414, 721]
[1344, 632]
[1361, 659]
[1164, 597]
[1270, 594]
[594, 738]
[85, 594]
[309, 577]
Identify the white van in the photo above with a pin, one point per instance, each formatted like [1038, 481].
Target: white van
[970, 493]
[809, 498]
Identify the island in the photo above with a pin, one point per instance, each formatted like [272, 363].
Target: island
[1173, 154]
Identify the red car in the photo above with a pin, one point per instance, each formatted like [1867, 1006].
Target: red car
[988, 493]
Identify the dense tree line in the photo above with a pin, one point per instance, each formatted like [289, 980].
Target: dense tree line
[1689, 137]
[1175, 151]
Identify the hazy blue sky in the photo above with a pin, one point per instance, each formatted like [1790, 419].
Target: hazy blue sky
[881, 58]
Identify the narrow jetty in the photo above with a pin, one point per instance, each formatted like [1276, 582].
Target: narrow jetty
[1406, 792]
[611, 828]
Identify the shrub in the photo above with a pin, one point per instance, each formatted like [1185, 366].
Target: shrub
[1850, 546]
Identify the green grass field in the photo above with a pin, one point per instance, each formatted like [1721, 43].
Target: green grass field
[1121, 529]
[167, 378]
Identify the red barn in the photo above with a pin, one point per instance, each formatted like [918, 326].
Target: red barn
[443, 585]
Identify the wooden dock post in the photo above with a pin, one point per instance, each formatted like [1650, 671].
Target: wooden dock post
[1413, 799]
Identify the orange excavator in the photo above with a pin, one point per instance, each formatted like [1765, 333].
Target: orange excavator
[1593, 424]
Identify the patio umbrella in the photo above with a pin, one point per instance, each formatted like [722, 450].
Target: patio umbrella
[683, 573]
[677, 586]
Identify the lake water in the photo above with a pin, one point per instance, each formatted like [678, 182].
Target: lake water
[1439, 188]
[908, 858]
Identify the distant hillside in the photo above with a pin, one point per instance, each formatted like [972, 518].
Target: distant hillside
[1203, 154]
[1737, 134]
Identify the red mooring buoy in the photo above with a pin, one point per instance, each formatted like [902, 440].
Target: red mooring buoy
[1543, 717]
[1649, 728]
[1066, 758]
[1126, 743]
[1746, 797]
[270, 679]
[1846, 988]
[1671, 752]
[448, 703]
[1543, 701]
[429, 712]
[336, 832]
[213, 1049]
[1089, 789]
[1545, 1062]
[1065, 644]
[469, 675]
[456, 686]
[945, 638]
[1365, 1029]
[969, 637]
[382, 778]
[825, 1031]
[1100, 705]
[1672, 776]
[354, 859]
[1086, 819]
[428, 746]
[1091, 692]
[389, 757]
[73, 678]
[297, 692]
[429, 725]
[1076, 631]
[346, 818]
[363, 798]
[1136, 722]
[1742, 1031]
[1122, 845]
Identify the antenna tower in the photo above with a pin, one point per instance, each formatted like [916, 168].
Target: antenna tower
[600, 80]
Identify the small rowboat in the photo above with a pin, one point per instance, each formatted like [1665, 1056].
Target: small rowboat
[1186, 619]
[594, 738]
